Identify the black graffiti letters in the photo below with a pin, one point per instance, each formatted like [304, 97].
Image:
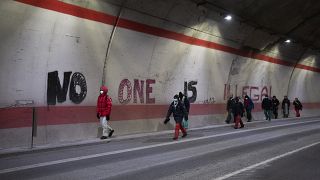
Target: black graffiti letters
[54, 90]
[190, 86]
[57, 93]
[78, 80]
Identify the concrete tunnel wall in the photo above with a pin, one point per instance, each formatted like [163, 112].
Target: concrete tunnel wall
[155, 50]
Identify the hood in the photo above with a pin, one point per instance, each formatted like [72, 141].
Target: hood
[104, 89]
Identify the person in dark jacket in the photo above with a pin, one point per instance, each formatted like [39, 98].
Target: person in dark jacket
[297, 106]
[237, 110]
[266, 106]
[178, 110]
[285, 106]
[248, 106]
[229, 109]
[275, 106]
[104, 104]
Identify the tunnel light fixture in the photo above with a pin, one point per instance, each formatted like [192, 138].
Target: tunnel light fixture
[287, 41]
[228, 17]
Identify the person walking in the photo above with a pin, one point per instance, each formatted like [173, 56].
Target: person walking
[229, 109]
[275, 106]
[266, 106]
[285, 106]
[185, 101]
[297, 106]
[237, 110]
[248, 105]
[104, 104]
[179, 112]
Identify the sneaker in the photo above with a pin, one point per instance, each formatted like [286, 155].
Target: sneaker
[235, 127]
[103, 137]
[184, 135]
[111, 132]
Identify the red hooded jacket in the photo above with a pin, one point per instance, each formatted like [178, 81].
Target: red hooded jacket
[104, 103]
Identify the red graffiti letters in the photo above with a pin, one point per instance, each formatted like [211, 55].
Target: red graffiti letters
[138, 88]
[125, 88]
[125, 83]
[255, 92]
[149, 91]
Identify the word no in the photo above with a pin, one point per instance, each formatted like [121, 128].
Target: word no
[77, 89]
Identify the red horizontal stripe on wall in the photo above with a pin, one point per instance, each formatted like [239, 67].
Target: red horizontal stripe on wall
[54, 115]
[15, 117]
[57, 115]
[93, 15]
[311, 105]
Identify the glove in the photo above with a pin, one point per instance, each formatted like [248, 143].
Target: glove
[98, 116]
[166, 120]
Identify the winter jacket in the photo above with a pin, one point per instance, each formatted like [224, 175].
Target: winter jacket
[248, 104]
[104, 103]
[297, 104]
[186, 103]
[237, 109]
[275, 103]
[178, 112]
[230, 103]
[266, 104]
[285, 101]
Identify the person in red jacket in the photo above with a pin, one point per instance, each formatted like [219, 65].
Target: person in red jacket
[104, 104]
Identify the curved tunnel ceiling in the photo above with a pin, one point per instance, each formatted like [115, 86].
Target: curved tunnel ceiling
[297, 20]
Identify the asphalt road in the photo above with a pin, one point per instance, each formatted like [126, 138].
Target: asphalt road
[282, 149]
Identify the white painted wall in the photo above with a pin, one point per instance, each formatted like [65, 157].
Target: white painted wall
[36, 41]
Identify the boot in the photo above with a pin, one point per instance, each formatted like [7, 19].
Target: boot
[111, 132]
[103, 137]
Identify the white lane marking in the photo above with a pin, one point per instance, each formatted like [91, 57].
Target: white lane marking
[265, 162]
[20, 168]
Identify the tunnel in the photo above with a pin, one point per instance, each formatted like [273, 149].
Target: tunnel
[55, 55]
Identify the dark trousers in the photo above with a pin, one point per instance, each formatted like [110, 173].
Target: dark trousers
[275, 113]
[230, 116]
[249, 116]
[267, 114]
